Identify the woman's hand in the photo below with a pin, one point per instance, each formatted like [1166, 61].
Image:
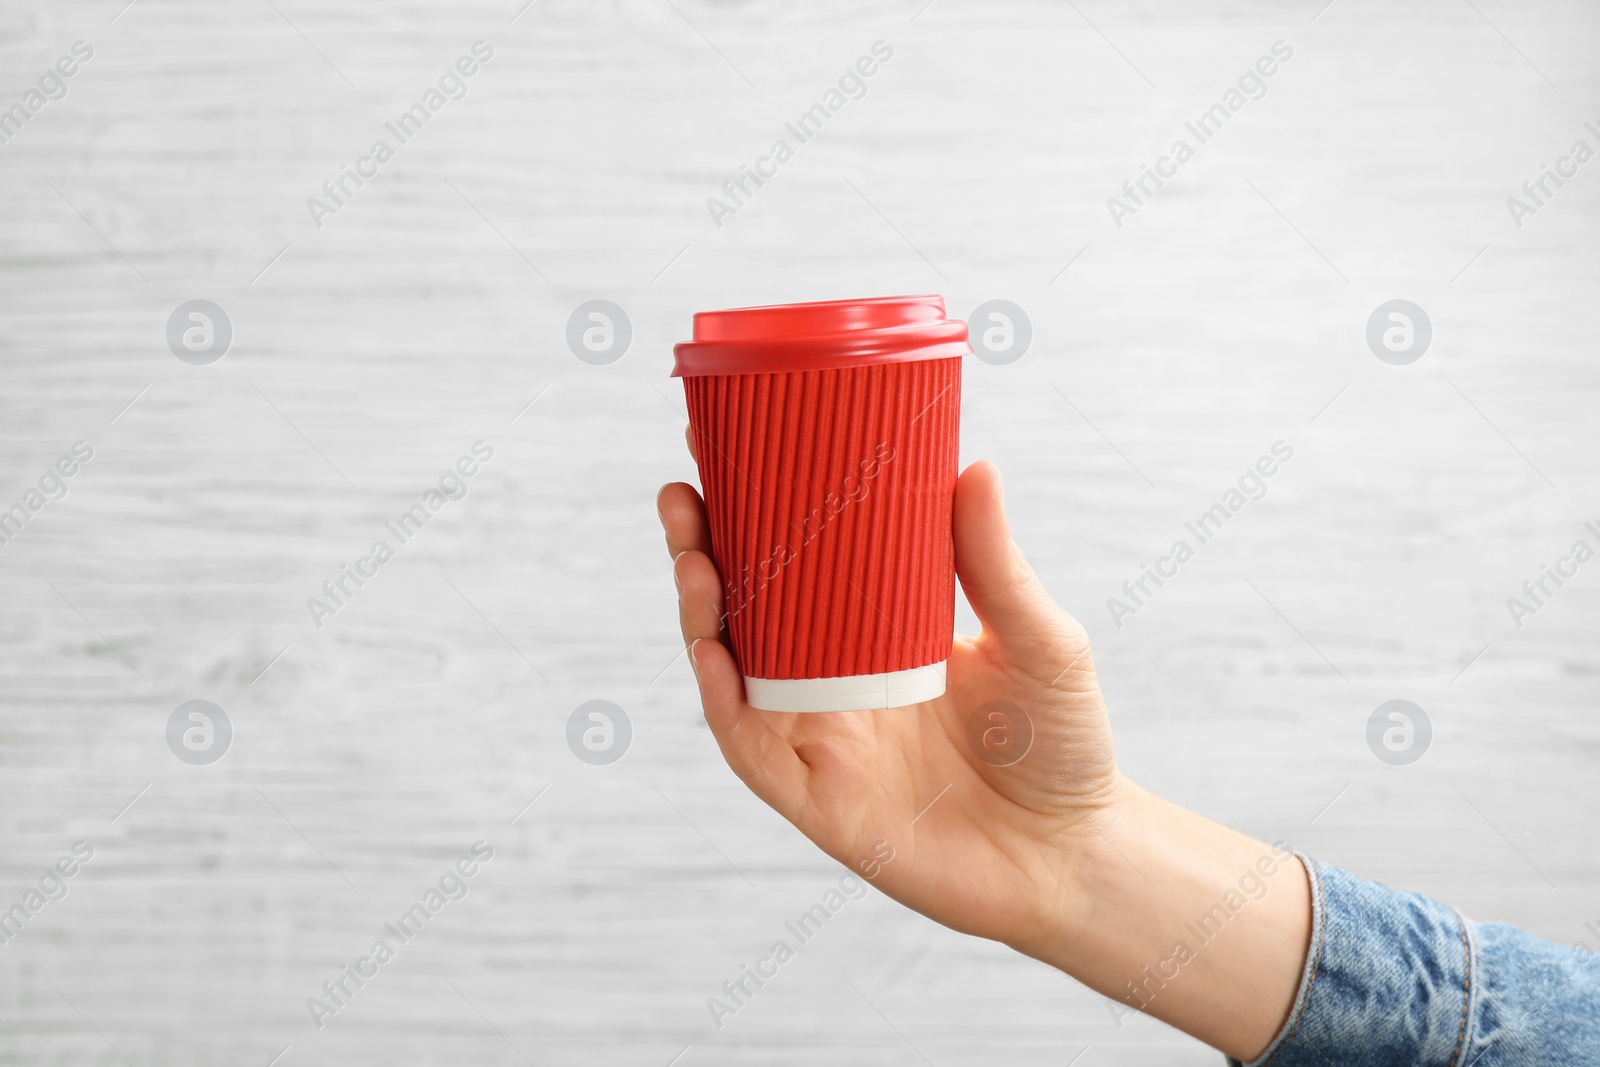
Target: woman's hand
[987, 798]
[998, 810]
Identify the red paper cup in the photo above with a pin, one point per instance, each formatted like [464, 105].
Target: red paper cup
[826, 437]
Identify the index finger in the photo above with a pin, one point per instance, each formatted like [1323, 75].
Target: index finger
[683, 515]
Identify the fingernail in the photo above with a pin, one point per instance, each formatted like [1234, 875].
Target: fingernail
[694, 665]
[659, 494]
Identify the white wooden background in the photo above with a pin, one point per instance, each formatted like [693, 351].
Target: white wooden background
[423, 316]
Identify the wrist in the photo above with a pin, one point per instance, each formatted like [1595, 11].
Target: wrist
[1182, 918]
[1089, 859]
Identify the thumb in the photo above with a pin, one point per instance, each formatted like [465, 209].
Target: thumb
[1000, 584]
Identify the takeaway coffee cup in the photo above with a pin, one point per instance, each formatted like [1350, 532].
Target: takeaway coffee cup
[826, 436]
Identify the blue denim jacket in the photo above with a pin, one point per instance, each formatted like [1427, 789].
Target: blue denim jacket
[1398, 979]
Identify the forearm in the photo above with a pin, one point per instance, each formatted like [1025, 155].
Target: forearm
[1243, 947]
[1193, 923]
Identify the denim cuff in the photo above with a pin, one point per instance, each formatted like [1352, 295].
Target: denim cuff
[1387, 980]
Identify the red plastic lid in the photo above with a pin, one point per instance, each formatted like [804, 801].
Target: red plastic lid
[823, 335]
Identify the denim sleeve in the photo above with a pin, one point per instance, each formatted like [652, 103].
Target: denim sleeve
[1398, 979]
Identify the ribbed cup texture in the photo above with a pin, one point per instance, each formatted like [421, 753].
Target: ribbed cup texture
[830, 494]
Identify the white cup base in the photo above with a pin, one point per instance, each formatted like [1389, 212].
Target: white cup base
[856, 692]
